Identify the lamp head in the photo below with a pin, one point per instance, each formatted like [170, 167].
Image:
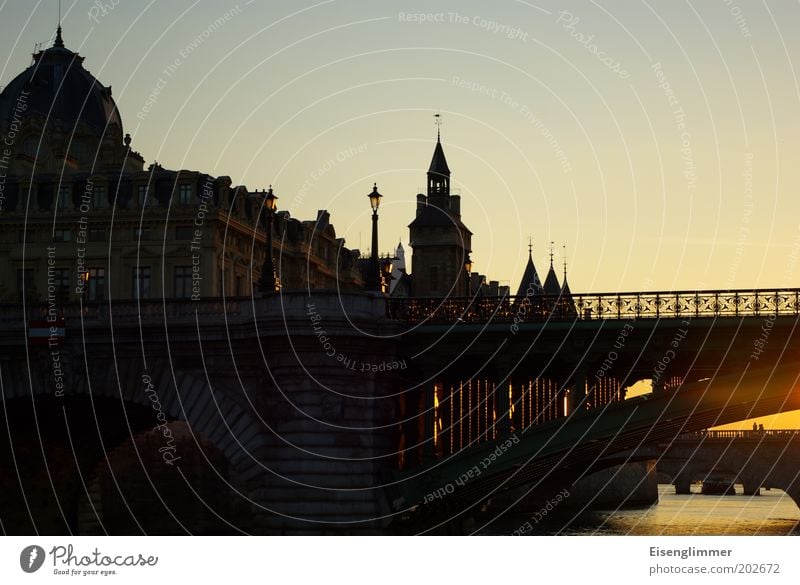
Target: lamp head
[375, 198]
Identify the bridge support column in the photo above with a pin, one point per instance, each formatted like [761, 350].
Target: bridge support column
[428, 447]
[683, 484]
[577, 396]
[751, 488]
[503, 406]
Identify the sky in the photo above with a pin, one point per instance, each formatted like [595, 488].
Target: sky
[658, 141]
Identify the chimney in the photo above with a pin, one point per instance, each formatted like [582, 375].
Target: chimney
[422, 201]
[455, 205]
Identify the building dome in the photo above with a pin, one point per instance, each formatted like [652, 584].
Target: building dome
[67, 96]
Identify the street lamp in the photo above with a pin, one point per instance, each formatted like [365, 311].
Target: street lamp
[468, 271]
[269, 281]
[386, 273]
[84, 278]
[375, 202]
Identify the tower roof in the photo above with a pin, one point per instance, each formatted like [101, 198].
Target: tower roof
[530, 283]
[439, 162]
[565, 292]
[58, 87]
[551, 286]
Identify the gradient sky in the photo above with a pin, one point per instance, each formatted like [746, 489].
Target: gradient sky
[658, 140]
[543, 138]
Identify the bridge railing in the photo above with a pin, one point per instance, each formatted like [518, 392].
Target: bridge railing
[756, 435]
[145, 309]
[633, 305]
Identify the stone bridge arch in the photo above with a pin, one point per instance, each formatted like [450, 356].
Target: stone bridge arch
[140, 401]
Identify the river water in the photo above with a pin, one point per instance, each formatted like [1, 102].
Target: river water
[771, 513]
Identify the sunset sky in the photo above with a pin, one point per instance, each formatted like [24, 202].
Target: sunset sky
[657, 140]
[662, 150]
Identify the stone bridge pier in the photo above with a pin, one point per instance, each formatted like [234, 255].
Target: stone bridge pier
[274, 415]
[326, 378]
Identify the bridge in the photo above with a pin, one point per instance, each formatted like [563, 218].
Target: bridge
[553, 373]
[756, 459]
[347, 412]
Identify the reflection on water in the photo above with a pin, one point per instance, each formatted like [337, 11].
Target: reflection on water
[771, 513]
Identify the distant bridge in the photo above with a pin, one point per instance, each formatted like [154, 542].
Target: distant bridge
[754, 458]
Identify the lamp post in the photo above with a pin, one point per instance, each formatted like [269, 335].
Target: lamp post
[468, 272]
[269, 282]
[386, 274]
[375, 202]
[84, 277]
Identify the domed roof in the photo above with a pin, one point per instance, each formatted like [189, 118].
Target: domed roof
[60, 89]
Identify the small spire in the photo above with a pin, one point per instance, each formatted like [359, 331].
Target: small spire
[438, 123]
[565, 262]
[551, 254]
[59, 42]
[530, 246]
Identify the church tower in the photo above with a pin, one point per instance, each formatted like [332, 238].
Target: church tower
[440, 243]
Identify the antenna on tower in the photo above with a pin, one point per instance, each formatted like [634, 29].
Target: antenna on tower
[59, 42]
[438, 122]
[551, 253]
[565, 261]
[530, 246]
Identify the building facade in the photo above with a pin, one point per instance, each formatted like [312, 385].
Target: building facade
[82, 218]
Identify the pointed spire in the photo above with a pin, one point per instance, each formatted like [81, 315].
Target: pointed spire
[439, 162]
[551, 286]
[567, 306]
[59, 42]
[438, 172]
[530, 285]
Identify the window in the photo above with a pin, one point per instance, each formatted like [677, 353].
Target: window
[24, 281]
[31, 147]
[183, 232]
[99, 197]
[97, 235]
[64, 197]
[141, 282]
[58, 76]
[183, 282]
[79, 149]
[61, 282]
[141, 192]
[62, 235]
[185, 194]
[141, 234]
[97, 284]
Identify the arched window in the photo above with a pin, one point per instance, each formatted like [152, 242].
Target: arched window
[434, 278]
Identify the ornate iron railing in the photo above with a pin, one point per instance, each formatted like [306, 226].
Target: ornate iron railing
[783, 434]
[509, 309]
[128, 310]
[645, 305]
